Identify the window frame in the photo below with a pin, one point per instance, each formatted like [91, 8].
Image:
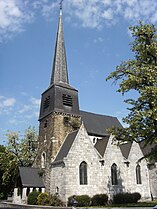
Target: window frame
[138, 174]
[114, 176]
[83, 176]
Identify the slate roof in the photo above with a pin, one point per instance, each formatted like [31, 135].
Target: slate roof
[30, 177]
[66, 146]
[94, 125]
[125, 149]
[101, 145]
[59, 73]
[97, 124]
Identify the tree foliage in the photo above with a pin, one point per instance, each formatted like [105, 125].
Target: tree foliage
[3, 188]
[19, 151]
[139, 74]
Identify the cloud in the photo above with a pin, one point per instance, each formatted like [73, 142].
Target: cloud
[6, 102]
[13, 121]
[108, 14]
[9, 102]
[6, 105]
[98, 40]
[24, 109]
[17, 112]
[97, 13]
[35, 101]
[15, 14]
[29, 109]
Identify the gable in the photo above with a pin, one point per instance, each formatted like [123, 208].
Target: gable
[82, 147]
[113, 153]
[135, 152]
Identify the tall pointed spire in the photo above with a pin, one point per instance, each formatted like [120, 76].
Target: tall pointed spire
[59, 71]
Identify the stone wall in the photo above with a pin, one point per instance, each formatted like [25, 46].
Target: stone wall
[62, 128]
[144, 188]
[52, 136]
[81, 150]
[52, 132]
[99, 176]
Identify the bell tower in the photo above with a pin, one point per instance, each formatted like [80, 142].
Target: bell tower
[59, 110]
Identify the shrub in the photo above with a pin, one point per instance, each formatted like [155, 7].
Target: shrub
[122, 198]
[83, 200]
[119, 198]
[136, 197]
[99, 200]
[32, 198]
[43, 199]
[55, 201]
[1, 196]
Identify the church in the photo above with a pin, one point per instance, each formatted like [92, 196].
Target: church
[76, 154]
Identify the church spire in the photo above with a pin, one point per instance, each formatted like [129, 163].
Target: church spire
[59, 71]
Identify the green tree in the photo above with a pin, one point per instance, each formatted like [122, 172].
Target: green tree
[140, 75]
[24, 147]
[8, 171]
[19, 151]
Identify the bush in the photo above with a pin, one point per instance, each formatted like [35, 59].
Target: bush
[99, 200]
[136, 197]
[122, 198]
[43, 199]
[32, 198]
[83, 200]
[2, 196]
[55, 201]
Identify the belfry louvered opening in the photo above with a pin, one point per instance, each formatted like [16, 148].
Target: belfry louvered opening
[67, 100]
[47, 102]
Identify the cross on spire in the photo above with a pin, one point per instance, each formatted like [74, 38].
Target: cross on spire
[60, 4]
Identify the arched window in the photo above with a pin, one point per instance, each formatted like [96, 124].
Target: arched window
[43, 160]
[83, 173]
[57, 191]
[114, 178]
[138, 174]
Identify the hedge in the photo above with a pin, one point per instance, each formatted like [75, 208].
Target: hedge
[122, 198]
[99, 200]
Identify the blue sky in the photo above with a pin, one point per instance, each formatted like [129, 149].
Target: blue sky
[96, 39]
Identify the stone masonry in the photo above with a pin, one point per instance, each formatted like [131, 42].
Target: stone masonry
[65, 175]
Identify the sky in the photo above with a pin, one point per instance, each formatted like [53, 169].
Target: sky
[97, 39]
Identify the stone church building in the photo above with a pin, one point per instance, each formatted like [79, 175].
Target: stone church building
[76, 153]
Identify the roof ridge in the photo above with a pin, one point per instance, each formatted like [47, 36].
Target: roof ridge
[99, 114]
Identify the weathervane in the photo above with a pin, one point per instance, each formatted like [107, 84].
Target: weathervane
[61, 4]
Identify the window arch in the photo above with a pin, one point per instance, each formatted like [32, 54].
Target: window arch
[138, 174]
[114, 178]
[57, 190]
[83, 173]
[43, 160]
